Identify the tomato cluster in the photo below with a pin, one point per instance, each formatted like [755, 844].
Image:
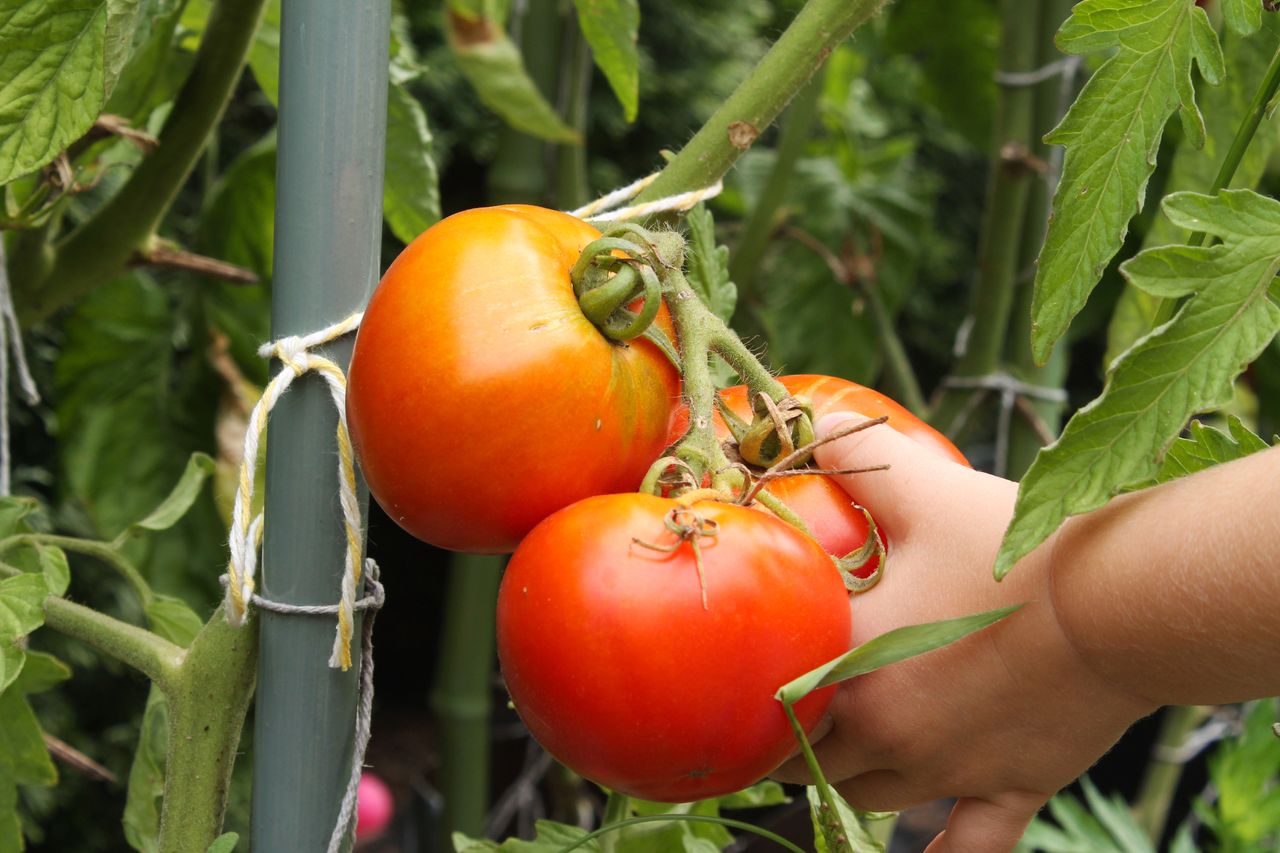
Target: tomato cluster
[642, 638]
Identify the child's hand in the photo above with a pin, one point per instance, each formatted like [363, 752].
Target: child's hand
[1002, 719]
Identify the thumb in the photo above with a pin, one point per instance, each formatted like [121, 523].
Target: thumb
[916, 484]
[987, 826]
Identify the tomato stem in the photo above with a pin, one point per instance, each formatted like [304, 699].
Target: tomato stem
[830, 819]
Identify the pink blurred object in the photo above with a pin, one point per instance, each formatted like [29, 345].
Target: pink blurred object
[374, 806]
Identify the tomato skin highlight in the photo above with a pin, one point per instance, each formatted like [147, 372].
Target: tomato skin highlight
[618, 670]
[481, 399]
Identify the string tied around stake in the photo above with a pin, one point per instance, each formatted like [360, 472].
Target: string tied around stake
[294, 352]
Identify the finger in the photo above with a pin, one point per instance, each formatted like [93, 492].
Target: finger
[915, 486]
[992, 825]
[839, 755]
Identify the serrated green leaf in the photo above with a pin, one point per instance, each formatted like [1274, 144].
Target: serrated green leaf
[492, 64]
[1194, 169]
[890, 647]
[708, 264]
[172, 619]
[1205, 447]
[24, 759]
[851, 837]
[1184, 367]
[177, 502]
[610, 28]
[1108, 826]
[1244, 17]
[52, 84]
[53, 565]
[411, 190]
[225, 843]
[1111, 134]
[141, 819]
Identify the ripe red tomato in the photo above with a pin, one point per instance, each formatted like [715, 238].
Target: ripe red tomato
[825, 508]
[620, 672]
[481, 399]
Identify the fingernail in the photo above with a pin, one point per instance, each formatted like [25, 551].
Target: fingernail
[829, 423]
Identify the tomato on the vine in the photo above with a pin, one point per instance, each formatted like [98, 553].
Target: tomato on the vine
[481, 400]
[620, 671]
[838, 525]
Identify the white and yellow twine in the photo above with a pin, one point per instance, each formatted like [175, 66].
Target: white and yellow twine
[246, 532]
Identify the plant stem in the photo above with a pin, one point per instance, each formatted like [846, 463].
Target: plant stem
[100, 249]
[750, 248]
[572, 189]
[90, 548]
[1052, 99]
[207, 705]
[1004, 217]
[1151, 809]
[1235, 154]
[150, 654]
[462, 696]
[788, 65]
[519, 169]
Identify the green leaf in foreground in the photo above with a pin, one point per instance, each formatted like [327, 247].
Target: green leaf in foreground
[891, 647]
[21, 612]
[491, 62]
[1195, 169]
[851, 835]
[1111, 134]
[1207, 446]
[411, 191]
[1183, 367]
[708, 264]
[51, 79]
[141, 819]
[610, 28]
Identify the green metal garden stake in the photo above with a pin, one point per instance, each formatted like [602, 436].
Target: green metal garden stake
[332, 130]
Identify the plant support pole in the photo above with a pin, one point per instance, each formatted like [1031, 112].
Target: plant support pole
[332, 131]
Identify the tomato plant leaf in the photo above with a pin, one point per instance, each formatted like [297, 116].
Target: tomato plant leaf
[1106, 826]
[1244, 17]
[172, 619]
[491, 62]
[54, 568]
[411, 191]
[176, 503]
[264, 53]
[155, 70]
[1194, 170]
[610, 28]
[141, 820]
[707, 264]
[891, 647]
[1183, 367]
[21, 612]
[225, 843]
[549, 837]
[1245, 814]
[1204, 447]
[1111, 134]
[24, 760]
[841, 832]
